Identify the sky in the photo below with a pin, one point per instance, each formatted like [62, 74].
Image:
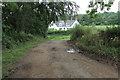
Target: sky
[84, 6]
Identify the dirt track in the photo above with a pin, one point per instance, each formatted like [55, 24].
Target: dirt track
[50, 60]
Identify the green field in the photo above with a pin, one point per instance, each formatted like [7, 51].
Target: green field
[103, 27]
[58, 37]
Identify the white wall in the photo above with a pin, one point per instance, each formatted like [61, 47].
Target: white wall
[75, 23]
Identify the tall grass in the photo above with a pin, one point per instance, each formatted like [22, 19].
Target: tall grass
[90, 39]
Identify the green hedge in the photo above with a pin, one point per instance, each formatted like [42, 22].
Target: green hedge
[102, 42]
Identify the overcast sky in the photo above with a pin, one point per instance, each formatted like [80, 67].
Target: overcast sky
[84, 6]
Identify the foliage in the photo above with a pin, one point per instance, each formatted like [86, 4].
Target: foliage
[79, 31]
[110, 18]
[111, 36]
[105, 43]
[76, 32]
[10, 38]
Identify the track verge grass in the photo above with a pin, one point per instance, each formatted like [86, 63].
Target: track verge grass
[10, 56]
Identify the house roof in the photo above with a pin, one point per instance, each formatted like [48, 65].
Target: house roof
[66, 23]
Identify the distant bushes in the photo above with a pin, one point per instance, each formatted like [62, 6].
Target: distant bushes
[109, 18]
[102, 42]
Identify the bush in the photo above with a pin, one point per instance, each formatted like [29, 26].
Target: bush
[12, 38]
[76, 32]
[22, 37]
[92, 40]
[111, 36]
[7, 41]
[82, 31]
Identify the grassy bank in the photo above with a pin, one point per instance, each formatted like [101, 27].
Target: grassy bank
[10, 56]
[105, 43]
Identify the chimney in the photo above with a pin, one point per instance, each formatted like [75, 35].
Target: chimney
[71, 19]
[75, 18]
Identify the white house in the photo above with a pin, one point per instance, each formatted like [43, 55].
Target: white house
[63, 25]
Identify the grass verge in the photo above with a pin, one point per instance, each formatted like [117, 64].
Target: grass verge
[58, 37]
[10, 56]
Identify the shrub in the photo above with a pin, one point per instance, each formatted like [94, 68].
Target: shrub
[104, 43]
[82, 31]
[7, 41]
[12, 38]
[111, 36]
[76, 32]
